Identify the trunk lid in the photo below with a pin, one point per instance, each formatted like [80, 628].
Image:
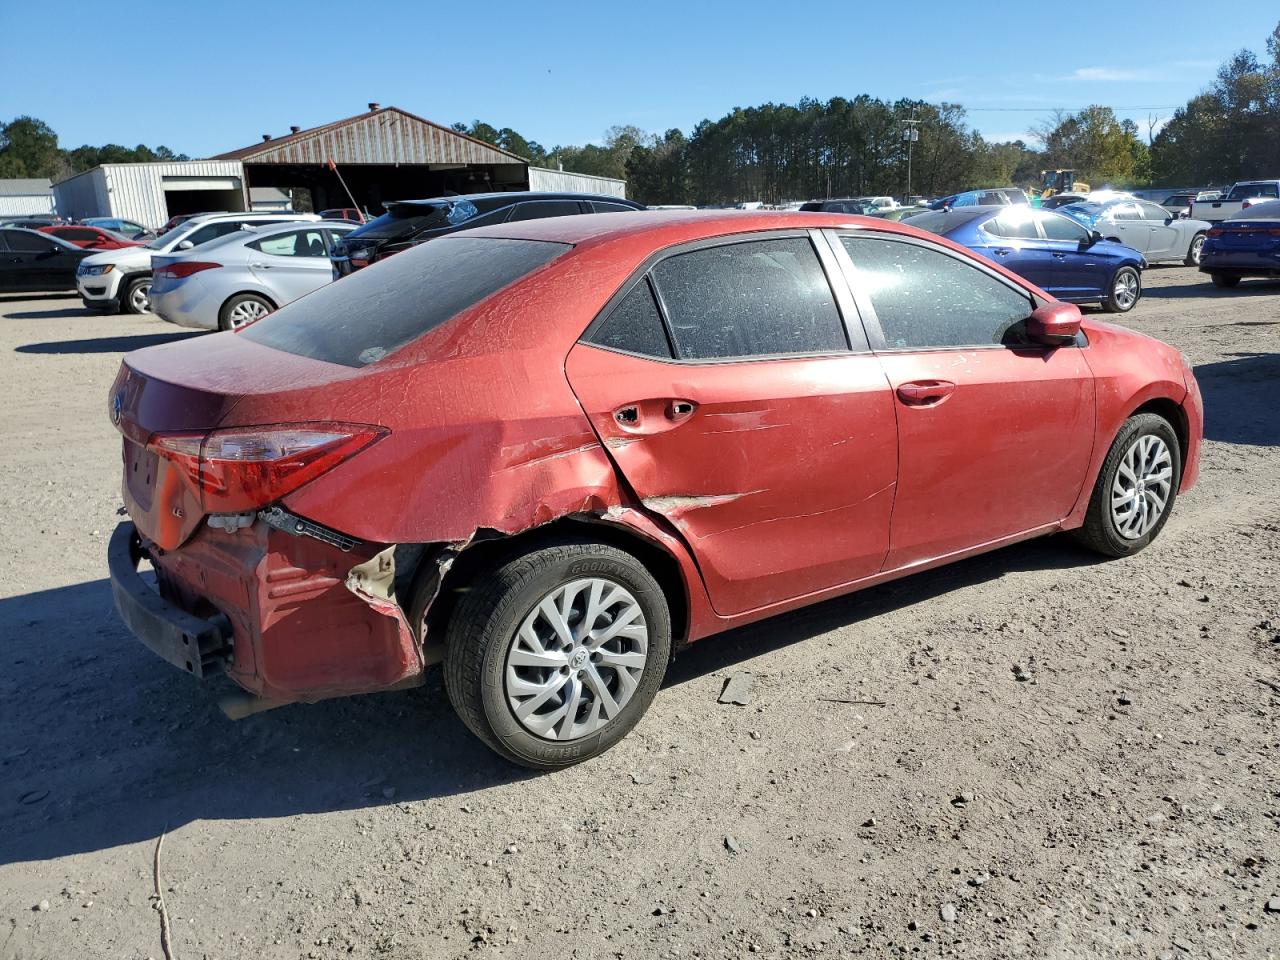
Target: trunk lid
[196, 385]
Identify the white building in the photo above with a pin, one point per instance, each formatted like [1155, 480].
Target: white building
[25, 198]
[151, 193]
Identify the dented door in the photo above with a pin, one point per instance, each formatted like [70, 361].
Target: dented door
[779, 474]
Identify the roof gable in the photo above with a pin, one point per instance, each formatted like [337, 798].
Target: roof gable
[386, 135]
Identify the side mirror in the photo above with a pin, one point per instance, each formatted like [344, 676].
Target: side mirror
[1054, 324]
[1094, 236]
[186, 245]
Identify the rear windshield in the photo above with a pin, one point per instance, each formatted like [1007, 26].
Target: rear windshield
[410, 219]
[361, 318]
[1246, 190]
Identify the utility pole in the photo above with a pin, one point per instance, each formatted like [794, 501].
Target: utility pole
[910, 135]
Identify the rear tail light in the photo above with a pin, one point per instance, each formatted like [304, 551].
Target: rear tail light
[249, 467]
[1214, 232]
[184, 268]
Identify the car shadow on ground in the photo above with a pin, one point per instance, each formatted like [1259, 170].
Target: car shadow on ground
[107, 344]
[1201, 291]
[102, 743]
[1240, 399]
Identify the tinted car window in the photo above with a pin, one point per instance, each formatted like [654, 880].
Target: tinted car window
[601, 206]
[405, 220]
[301, 243]
[634, 325]
[1012, 227]
[77, 233]
[371, 313]
[1059, 227]
[537, 209]
[1245, 191]
[22, 242]
[758, 298]
[1152, 212]
[211, 231]
[925, 298]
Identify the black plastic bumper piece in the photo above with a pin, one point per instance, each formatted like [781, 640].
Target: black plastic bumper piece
[192, 644]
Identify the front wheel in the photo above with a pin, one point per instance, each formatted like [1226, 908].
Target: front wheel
[1194, 251]
[137, 296]
[553, 656]
[1126, 290]
[1135, 489]
[1224, 280]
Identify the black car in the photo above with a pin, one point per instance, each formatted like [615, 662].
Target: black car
[836, 205]
[36, 262]
[408, 223]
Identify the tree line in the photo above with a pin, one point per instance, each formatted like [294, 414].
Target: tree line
[29, 148]
[841, 147]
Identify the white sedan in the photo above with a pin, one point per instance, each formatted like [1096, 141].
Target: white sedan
[245, 275]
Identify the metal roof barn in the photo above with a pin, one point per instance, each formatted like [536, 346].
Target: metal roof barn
[25, 198]
[391, 154]
[151, 193]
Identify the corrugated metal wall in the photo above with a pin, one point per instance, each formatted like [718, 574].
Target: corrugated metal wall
[134, 191]
[388, 136]
[26, 205]
[541, 178]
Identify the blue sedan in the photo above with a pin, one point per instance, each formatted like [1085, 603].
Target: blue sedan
[1053, 251]
[1244, 245]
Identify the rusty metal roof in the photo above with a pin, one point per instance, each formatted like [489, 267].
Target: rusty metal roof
[385, 135]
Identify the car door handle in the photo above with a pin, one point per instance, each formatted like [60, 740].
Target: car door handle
[260, 266]
[925, 393]
[1059, 256]
[1001, 251]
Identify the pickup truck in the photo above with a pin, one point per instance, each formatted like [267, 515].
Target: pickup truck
[1240, 197]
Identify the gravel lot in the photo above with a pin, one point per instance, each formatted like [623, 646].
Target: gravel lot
[1122, 801]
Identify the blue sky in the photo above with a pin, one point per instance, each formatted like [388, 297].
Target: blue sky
[203, 78]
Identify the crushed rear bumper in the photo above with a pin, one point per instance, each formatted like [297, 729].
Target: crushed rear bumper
[192, 644]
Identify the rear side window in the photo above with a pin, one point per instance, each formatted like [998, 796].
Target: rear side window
[77, 233]
[1012, 227]
[211, 231]
[634, 325]
[21, 242]
[601, 206]
[1058, 226]
[302, 243]
[757, 298]
[927, 299]
[363, 317]
[537, 209]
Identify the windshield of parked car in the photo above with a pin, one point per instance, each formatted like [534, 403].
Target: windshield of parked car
[163, 241]
[361, 318]
[1246, 190]
[1086, 213]
[404, 220]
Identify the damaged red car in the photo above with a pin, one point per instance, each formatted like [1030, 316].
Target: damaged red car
[548, 454]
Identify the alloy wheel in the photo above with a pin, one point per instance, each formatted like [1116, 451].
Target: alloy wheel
[577, 659]
[246, 311]
[140, 298]
[1197, 245]
[1142, 487]
[1126, 289]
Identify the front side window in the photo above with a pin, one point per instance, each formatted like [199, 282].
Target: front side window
[300, 243]
[211, 231]
[373, 312]
[23, 242]
[927, 299]
[1012, 226]
[1057, 226]
[73, 234]
[753, 299]
[1152, 212]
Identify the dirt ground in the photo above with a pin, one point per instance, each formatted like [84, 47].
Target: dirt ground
[1124, 801]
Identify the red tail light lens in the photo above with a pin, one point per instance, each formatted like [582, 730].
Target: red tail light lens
[249, 467]
[1214, 232]
[185, 268]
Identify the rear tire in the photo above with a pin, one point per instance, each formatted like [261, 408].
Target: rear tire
[1126, 291]
[537, 700]
[137, 296]
[243, 309]
[1193, 251]
[1122, 517]
[1225, 280]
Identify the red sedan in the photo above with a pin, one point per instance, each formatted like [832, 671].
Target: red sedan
[549, 453]
[89, 238]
